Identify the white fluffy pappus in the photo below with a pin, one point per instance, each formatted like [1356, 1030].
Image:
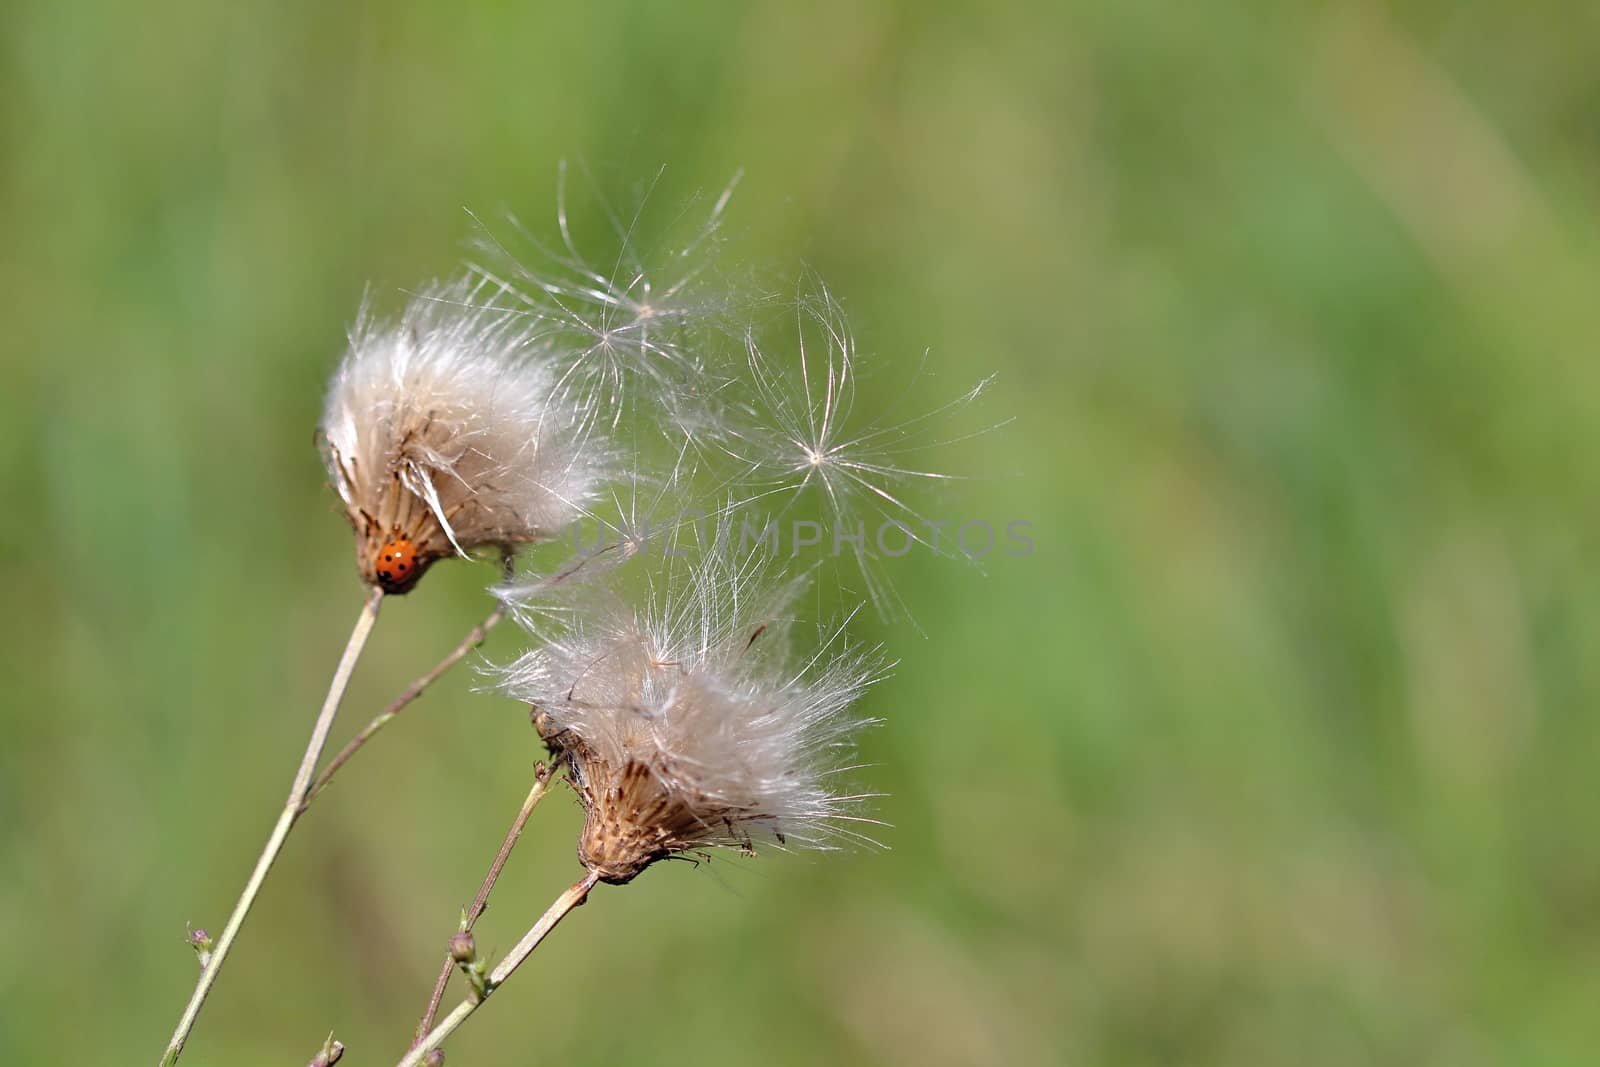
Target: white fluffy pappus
[639, 320]
[443, 433]
[801, 442]
[691, 723]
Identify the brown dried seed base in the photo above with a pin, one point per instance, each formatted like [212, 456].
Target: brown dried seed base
[633, 819]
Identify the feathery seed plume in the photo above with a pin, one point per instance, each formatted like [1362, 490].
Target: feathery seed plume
[799, 438]
[645, 319]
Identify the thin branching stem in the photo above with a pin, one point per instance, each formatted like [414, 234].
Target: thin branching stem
[574, 895]
[541, 786]
[475, 637]
[280, 832]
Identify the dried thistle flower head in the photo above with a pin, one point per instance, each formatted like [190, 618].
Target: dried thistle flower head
[443, 433]
[690, 724]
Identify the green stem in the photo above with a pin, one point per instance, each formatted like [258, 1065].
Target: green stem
[541, 785]
[574, 895]
[280, 832]
[474, 638]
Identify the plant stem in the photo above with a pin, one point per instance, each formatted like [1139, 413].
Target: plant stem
[280, 832]
[574, 895]
[541, 786]
[474, 638]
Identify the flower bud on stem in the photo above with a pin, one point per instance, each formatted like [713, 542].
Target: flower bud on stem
[542, 777]
[331, 1053]
[202, 944]
[575, 895]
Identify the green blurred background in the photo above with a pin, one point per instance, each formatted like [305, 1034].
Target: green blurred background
[1280, 748]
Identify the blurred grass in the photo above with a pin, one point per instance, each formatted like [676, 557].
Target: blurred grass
[1281, 747]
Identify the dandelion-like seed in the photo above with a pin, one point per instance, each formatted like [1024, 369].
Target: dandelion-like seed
[689, 724]
[636, 320]
[800, 437]
[444, 432]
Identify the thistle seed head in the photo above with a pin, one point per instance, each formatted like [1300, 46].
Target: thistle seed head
[689, 723]
[443, 433]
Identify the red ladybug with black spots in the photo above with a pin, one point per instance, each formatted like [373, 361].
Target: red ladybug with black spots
[396, 565]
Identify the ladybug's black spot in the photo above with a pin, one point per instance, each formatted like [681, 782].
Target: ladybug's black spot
[388, 557]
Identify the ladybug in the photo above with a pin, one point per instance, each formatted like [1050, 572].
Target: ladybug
[396, 564]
